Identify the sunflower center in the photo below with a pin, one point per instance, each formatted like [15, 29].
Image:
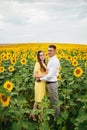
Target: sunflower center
[23, 61]
[77, 71]
[8, 85]
[5, 57]
[75, 62]
[13, 60]
[4, 98]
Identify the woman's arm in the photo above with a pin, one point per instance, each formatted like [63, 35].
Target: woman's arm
[36, 75]
[42, 75]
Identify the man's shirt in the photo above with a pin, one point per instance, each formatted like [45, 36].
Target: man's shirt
[53, 70]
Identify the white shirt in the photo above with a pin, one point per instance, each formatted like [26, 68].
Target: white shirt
[53, 68]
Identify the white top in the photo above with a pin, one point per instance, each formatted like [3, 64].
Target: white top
[53, 68]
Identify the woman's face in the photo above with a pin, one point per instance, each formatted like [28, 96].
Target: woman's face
[42, 57]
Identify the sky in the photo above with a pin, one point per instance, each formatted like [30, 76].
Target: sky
[61, 21]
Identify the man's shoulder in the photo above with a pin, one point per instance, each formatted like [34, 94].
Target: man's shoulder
[57, 61]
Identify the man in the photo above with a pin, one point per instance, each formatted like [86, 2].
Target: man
[51, 78]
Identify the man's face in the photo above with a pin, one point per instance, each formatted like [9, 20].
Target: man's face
[51, 52]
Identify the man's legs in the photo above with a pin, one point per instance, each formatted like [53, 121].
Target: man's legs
[53, 93]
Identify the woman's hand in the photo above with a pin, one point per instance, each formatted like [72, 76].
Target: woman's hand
[38, 80]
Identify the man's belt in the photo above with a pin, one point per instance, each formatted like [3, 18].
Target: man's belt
[49, 82]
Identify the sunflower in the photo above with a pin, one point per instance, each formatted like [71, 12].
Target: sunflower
[8, 85]
[0, 61]
[85, 64]
[60, 68]
[59, 56]
[15, 56]
[2, 69]
[59, 77]
[24, 55]
[2, 55]
[62, 55]
[4, 100]
[9, 54]
[11, 68]
[78, 71]
[85, 57]
[13, 60]
[75, 57]
[74, 62]
[5, 57]
[23, 61]
[69, 57]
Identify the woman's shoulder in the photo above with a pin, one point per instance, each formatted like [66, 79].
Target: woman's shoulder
[37, 63]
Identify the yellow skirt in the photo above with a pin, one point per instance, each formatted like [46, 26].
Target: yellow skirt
[40, 91]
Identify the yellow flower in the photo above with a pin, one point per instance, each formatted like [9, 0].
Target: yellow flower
[8, 85]
[2, 55]
[4, 100]
[75, 57]
[5, 57]
[11, 68]
[85, 57]
[78, 72]
[9, 54]
[2, 69]
[23, 61]
[85, 64]
[13, 60]
[59, 77]
[0, 61]
[69, 57]
[60, 68]
[59, 56]
[74, 63]
[24, 55]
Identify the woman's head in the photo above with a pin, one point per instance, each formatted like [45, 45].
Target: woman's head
[40, 56]
[41, 60]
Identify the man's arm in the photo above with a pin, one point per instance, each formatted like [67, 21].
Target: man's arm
[47, 76]
[52, 70]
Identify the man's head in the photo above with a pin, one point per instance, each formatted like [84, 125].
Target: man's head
[51, 50]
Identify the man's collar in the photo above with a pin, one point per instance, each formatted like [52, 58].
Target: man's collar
[52, 57]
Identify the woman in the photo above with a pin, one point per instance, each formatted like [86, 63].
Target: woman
[40, 87]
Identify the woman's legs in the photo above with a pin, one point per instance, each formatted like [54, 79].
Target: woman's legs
[32, 115]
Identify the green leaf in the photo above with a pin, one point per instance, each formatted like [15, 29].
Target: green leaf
[16, 126]
[60, 120]
[65, 115]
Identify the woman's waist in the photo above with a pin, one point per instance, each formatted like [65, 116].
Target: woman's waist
[40, 81]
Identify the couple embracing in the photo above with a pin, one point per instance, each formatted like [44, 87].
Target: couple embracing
[46, 78]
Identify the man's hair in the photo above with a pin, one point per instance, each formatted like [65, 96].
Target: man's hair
[52, 46]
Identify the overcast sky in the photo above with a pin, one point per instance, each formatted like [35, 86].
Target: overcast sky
[61, 21]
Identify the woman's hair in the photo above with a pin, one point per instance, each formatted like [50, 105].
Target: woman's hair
[43, 69]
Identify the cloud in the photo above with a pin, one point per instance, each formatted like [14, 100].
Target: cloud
[24, 11]
[16, 13]
[43, 20]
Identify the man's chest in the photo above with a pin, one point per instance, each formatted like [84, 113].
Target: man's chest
[50, 64]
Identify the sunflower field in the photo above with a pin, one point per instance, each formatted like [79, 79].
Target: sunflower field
[17, 88]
